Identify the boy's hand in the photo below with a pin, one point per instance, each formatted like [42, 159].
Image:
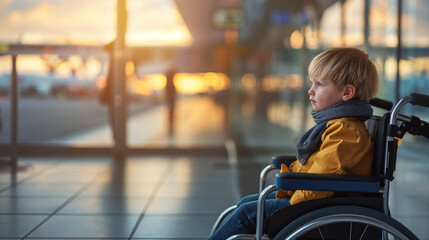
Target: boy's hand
[282, 193]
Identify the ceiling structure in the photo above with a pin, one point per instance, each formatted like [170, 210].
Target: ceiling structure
[261, 18]
[265, 24]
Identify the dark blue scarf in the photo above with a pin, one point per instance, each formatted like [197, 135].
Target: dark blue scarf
[310, 141]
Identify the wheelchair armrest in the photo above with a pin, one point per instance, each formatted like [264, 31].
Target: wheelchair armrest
[278, 160]
[327, 182]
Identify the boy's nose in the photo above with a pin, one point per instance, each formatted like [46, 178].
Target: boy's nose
[310, 91]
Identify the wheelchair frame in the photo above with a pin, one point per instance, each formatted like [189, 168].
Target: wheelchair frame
[345, 183]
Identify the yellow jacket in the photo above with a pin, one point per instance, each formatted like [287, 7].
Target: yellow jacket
[346, 148]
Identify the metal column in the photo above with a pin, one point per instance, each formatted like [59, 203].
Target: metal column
[14, 118]
[398, 53]
[119, 80]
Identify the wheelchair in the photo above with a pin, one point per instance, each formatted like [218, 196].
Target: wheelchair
[365, 216]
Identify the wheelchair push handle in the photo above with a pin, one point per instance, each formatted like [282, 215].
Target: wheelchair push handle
[419, 99]
[411, 124]
[378, 102]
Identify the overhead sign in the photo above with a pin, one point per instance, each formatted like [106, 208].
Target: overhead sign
[228, 18]
[280, 18]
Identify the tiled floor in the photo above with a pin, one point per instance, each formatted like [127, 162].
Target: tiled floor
[141, 198]
[159, 197]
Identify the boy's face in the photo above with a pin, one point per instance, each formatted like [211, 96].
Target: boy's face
[324, 94]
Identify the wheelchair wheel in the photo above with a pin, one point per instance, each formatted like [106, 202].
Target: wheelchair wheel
[345, 222]
[222, 217]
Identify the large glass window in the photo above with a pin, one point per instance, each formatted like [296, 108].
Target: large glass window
[414, 65]
[58, 101]
[64, 61]
[60, 67]
[5, 85]
[383, 43]
[175, 92]
[354, 22]
[331, 26]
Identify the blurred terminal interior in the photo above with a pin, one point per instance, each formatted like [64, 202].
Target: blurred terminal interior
[249, 57]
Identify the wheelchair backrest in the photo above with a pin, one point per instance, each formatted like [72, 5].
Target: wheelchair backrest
[377, 127]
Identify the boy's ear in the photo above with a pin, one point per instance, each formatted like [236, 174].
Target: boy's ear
[348, 92]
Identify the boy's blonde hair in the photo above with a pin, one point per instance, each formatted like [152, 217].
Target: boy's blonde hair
[344, 66]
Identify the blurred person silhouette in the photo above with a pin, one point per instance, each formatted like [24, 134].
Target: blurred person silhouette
[106, 96]
[170, 92]
[3, 162]
[1, 123]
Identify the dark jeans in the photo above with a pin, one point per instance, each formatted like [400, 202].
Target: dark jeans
[243, 219]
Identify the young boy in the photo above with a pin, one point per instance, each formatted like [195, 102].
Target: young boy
[342, 82]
